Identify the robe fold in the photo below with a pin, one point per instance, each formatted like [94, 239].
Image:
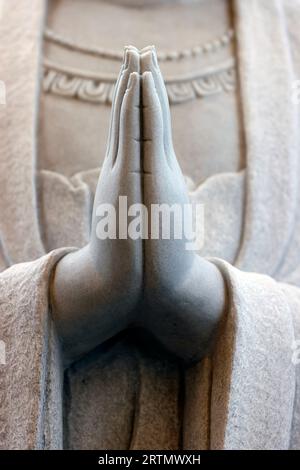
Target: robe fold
[246, 395]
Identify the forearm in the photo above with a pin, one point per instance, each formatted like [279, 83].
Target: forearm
[204, 299]
[184, 314]
[84, 311]
[214, 298]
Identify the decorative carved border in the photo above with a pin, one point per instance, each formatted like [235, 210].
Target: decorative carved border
[99, 88]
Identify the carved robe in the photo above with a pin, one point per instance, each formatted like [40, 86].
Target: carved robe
[246, 395]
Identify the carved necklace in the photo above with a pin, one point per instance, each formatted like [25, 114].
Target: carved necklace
[98, 87]
[209, 47]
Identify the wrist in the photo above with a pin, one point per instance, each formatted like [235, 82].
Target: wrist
[71, 297]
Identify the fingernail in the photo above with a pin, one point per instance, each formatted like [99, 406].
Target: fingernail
[150, 58]
[126, 56]
[148, 77]
[147, 60]
[145, 49]
[154, 57]
[133, 78]
[133, 59]
[133, 48]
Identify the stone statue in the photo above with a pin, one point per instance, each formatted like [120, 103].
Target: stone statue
[156, 287]
[140, 343]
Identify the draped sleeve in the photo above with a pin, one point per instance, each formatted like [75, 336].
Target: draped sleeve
[255, 398]
[31, 378]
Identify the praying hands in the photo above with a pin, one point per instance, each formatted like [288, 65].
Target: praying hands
[151, 283]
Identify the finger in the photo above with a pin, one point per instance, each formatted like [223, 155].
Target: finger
[115, 93]
[131, 64]
[128, 158]
[153, 127]
[149, 63]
